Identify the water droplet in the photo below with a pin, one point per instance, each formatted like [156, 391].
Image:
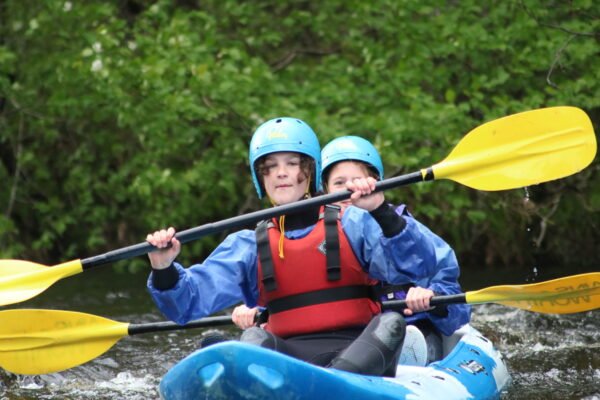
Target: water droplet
[528, 204]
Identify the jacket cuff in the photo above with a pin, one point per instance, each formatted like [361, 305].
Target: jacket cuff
[440, 311]
[165, 279]
[390, 222]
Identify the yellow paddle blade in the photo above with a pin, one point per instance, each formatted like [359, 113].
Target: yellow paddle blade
[522, 149]
[34, 342]
[567, 295]
[21, 280]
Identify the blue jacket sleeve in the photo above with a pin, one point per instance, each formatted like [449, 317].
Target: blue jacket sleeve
[226, 277]
[444, 281]
[404, 258]
[415, 255]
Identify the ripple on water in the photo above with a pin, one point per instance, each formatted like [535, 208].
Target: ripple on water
[549, 356]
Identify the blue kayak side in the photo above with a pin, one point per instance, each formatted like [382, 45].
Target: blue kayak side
[234, 370]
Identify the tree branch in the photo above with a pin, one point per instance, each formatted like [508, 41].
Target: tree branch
[558, 27]
[563, 47]
[289, 57]
[17, 173]
[544, 221]
[556, 60]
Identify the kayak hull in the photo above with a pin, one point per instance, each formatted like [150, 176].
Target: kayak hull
[473, 369]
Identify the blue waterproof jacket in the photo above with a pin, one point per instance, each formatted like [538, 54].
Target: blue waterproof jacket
[229, 275]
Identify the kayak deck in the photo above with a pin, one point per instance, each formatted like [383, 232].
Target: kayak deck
[234, 370]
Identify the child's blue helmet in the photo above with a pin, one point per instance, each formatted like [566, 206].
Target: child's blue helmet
[282, 135]
[351, 148]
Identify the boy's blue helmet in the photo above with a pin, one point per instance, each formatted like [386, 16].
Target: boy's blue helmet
[351, 148]
[285, 134]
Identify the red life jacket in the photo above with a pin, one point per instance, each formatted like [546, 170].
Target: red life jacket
[308, 291]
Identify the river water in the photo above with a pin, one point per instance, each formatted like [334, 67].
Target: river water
[549, 356]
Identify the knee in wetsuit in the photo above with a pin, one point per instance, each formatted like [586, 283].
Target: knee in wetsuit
[212, 337]
[258, 337]
[376, 350]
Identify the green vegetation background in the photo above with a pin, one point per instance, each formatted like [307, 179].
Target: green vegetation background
[119, 117]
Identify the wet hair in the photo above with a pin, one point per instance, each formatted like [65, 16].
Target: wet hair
[307, 167]
[368, 169]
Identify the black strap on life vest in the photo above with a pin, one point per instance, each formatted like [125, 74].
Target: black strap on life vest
[332, 248]
[318, 297]
[264, 254]
[332, 243]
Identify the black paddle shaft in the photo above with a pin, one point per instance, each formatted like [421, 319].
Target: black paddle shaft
[251, 218]
[435, 301]
[135, 329]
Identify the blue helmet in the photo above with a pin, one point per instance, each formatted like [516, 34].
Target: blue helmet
[284, 134]
[351, 148]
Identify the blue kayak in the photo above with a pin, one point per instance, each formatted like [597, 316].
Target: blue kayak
[472, 369]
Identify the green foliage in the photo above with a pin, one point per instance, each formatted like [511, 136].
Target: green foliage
[120, 117]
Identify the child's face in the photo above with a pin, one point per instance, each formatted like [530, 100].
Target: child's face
[283, 178]
[343, 172]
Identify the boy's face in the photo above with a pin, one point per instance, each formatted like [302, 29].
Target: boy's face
[283, 178]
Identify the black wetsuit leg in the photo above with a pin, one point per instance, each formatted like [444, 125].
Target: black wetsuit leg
[315, 348]
[213, 337]
[260, 337]
[321, 348]
[372, 351]
[376, 350]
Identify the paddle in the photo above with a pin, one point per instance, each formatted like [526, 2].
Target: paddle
[34, 342]
[43, 341]
[568, 295]
[511, 152]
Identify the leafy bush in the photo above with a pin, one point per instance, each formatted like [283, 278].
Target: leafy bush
[119, 117]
